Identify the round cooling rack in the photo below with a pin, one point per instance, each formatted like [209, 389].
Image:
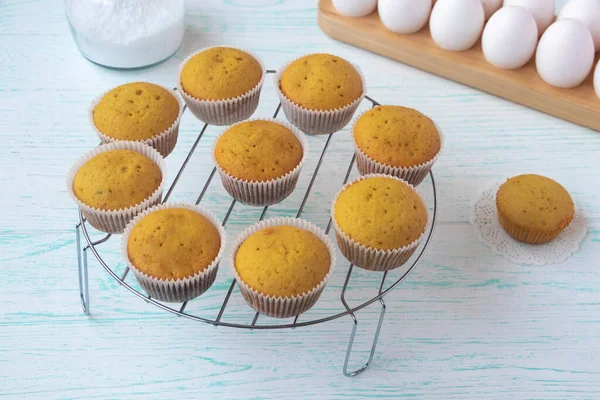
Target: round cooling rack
[95, 248]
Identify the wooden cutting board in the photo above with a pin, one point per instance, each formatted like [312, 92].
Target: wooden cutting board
[579, 105]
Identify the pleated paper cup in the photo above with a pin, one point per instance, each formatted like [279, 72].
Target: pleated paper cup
[175, 290]
[317, 122]
[163, 142]
[262, 193]
[223, 112]
[282, 307]
[413, 175]
[367, 257]
[114, 221]
[527, 235]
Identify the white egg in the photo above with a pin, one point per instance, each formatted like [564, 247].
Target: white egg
[588, 12]
[509, 38]
[597, 79]
[355, 8]
[490, 7]
[565, 54]
[404, 16]
[456, 25]
[542, 10]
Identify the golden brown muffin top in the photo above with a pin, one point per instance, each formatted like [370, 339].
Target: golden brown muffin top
[135, 111]
[397, 136]
[220, 73]
[116, 179]
[381, 213]
[282, 261]
[321, 82]
[258, 151]
[535, 202]
[173, 243]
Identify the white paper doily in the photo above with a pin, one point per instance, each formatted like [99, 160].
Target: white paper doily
[484, 219]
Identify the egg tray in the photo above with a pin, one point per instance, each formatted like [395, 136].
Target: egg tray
[95, 246]
[579, 105]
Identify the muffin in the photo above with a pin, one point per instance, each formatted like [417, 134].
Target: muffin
[116, 181]
[534, 209]
[379, 221]
[398, 141]
[174, 250]
[282, 265]
[259, 161]
[141, 112]
[319, 93]
[221, 85]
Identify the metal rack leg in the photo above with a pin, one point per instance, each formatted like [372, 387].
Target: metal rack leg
[355, 326]
[82, 269]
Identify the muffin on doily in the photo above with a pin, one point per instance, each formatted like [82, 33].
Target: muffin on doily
[138, 111]
[221, 85]
[534, 209]
[174, 250]
[116, 181]
[282, 265]
[319, 93]
[398, 141]
[259, 161]
[379, 221]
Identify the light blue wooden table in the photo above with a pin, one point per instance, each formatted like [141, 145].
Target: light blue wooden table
[466, 324]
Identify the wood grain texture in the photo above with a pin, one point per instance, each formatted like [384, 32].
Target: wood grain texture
[466, 324]
[524, 86]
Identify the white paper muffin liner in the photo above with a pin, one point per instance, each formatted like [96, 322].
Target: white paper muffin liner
[175, 290]
[114, 221]
[316, 122]
[223, 112]
[282, 307]
[413, 175]
[263, 193]
[164, 142]
[366, 257]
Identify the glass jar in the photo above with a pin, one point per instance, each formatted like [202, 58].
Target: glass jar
[126, 33]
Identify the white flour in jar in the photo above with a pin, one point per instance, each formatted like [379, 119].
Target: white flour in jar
[126, 33]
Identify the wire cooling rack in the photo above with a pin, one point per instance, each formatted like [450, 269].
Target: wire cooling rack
[216, 320]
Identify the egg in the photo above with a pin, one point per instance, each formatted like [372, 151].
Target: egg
[509, 38]
[404, 16]
[588, 12]
[456, 25]
[542, 10]
[565, 53]
[597, 79]
[355, 8]
[490, 7]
